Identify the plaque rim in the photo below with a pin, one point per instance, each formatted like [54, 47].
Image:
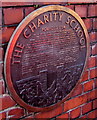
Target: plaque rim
[11, 45]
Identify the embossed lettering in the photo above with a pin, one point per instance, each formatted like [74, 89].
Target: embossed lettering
[76, 28]
[26, 33]
[80, 33]
[72, 23]
[46, 19]
[50, 16]
[55, 15]
[60, 16]
[82, 41]
[15, 61]
[40, 22]
[17, 53]
[68, 20]
[32, 27]
[21, 46]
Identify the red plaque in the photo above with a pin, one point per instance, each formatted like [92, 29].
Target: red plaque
[46, 57]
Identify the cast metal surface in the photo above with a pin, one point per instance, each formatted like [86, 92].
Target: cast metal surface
[46, 57]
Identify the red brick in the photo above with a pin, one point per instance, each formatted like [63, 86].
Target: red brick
[93, 114]
[94, 49]
[96, 83]
[16, 113]
[1, 54]
[2, 87]
[77, 91]
[93, 73]
[6, 33]
[75, 113]
[13, 15]
[28, 10]
[92, 95]
[77, 101]
[29, 118]
[70, 6]
[95, 23]
[92, 62]
[92, 10]
[87, 107]
[81, 10]
[0, 16]
[88, 23]
[65, 115]
[14, 3]
[51, 113]
[88, 85]
[84, 116]
[93, 36]
[6, 101]
[72, 103]
[1, 70]
[0, 35]
[85, 76]
[95, 104]
[2, 115]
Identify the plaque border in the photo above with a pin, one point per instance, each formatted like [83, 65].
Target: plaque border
[13, 41]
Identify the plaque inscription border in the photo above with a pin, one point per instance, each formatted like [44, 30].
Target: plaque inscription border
[13, 41]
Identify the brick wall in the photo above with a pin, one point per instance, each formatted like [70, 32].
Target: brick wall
[83, 101]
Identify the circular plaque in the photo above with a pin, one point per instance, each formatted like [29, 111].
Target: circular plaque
[46, 57]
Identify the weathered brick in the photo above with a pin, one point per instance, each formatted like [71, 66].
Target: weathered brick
[92, 62]
[88, 85]
[65, 115]
[0, 35]
[83, 117]
[29, 118]
[96, 36]
[6, 33]
[95, 23]
[72, 103]
[0, 16]
[2, 87]
[77, 101]
[87, 107]
[77, 91]
[16, 113]
[85, 76]
[93, 73]
[1, 54]
[51, 113]
[6, 101]
[94, 49]
[70, 6]
[13, 15]
[95, 104]
[91, 95]
[1, 70]
[15, 3]
[93, 36]
[75, 113]
[81, 10]
[92, 10]
[28, 10]
[88, 23]
[92, 114]
[3, 116]
[96, 83]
